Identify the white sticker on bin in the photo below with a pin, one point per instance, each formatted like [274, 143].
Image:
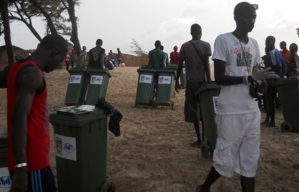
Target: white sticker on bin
[96, 79]
[5, 179]
[65, 147]
[145, 79]
[215, 102]
[184, 70]
[75, 79]
[164, 80]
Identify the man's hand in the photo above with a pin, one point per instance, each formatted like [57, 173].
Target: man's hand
[262, 74]
[19, 180]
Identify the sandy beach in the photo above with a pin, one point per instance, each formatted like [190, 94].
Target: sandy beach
[153, 152]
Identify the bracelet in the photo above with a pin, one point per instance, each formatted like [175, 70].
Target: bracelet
[247, 80]
[21, 165]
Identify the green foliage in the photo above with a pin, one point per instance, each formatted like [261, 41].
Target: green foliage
[137, 49]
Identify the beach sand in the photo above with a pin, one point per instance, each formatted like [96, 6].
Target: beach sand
[153, 152]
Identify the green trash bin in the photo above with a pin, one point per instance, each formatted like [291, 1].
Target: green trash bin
[5, 180]
[80, 141]
[145, 87]
[183, 77]
[208, 97]
[165, 87]
[77, 87]
[288, 95]
[172, 67]
[98, 84]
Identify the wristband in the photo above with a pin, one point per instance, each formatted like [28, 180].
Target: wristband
[21, 165]
[246, 78]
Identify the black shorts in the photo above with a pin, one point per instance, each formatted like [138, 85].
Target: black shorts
[40, 180]
[192, 109]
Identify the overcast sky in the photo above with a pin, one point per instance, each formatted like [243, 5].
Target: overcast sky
[116, 22]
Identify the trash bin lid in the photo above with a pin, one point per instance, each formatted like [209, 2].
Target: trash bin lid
[78, 115]
[146, 70]
[166, 70]
[98, 71]
[77, 70]
[210, 85]
[291, 80]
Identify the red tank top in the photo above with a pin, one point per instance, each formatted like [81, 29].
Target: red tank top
[38, 139]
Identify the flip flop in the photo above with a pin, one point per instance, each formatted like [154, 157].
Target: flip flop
[195, 144]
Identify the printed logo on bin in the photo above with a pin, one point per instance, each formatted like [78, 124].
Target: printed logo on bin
[68, 147]
[77, 78]
[166, 79]
[5, 182]
[58, 145]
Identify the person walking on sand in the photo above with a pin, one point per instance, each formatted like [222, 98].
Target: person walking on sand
[195, 54]
[156, 57]
[166, 60]
[96, 56]
[174, 56]
[276, 63]
[236, 60]
[27, 117]
[119, 56]
[285, 53]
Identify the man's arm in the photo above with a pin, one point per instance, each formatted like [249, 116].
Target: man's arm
[207, 67]
[179, 70]
[29, 80]
[222, 79]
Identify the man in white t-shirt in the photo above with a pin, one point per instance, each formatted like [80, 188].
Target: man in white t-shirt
[236, 57]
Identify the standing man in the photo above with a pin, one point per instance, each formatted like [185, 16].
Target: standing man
[166, 62]
[96, 56]
[195, 54]
[82, 58]
[27, 117]
[276, 63]
[238, 117]
[156, 56]
[174, 56]
[119, 56]
[285, 53]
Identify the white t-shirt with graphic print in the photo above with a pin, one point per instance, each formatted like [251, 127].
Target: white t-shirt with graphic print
[235, 99]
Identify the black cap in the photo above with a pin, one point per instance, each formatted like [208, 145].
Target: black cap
[240, 7]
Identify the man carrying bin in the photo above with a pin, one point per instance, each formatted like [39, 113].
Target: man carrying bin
[195, 54]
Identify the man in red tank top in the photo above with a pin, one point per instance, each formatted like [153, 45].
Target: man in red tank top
[27, 117]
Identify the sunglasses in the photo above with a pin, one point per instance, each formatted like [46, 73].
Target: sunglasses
[255, 6]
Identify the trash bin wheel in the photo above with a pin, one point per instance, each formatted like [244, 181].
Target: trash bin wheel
[286, 127]
[108, 187]
[205, 149]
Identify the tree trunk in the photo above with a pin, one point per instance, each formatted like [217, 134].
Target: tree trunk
[74, 36]
[8, 44]
[46, 15]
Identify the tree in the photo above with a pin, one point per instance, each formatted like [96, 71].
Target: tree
[71, 12]
[137, 49]
[6, 29]
[54, 13]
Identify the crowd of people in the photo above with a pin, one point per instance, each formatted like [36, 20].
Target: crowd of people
[95, 58]
[237, 66]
